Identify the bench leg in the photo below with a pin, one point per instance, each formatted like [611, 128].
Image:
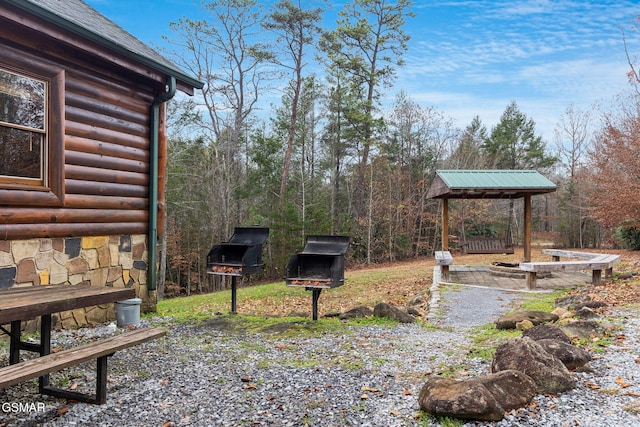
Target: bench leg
[444, 271]
[595, 277]
[531, 280]
[45, 344]
[608, 272]
[14, 342]
[99, 398]
[101, 380]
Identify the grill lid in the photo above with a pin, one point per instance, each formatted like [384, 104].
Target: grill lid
[326, 245]
[249, 236]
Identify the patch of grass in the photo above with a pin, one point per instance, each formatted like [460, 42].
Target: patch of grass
[143, 373]
[596, 344]
[393, 284]
[542, 301]
[487, 337]
[427, 420]
[252, 346]
[450, 371]
[301, 363]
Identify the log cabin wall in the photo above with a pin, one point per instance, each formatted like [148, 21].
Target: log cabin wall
[98, 162]
[114, 261]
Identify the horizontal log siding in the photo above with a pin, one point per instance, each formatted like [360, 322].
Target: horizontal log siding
[106, 141]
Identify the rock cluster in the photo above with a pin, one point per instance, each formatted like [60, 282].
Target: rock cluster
[538, 362]
[402, 315]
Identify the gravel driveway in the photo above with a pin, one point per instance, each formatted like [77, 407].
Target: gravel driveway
[216, 374]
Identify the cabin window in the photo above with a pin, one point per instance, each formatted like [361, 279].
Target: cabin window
[23, 129]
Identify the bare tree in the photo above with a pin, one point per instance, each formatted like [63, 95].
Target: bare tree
[296, 30]
[226, 52]
[573, 137]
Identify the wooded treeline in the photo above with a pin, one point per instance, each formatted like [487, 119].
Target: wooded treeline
[328, 158]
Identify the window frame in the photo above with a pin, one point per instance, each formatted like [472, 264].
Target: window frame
[43, 178]
[49, 190]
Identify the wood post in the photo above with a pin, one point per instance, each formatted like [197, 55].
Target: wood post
[527, 228]
[445, 224]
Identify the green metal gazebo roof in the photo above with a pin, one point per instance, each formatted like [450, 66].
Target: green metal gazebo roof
[488, 184]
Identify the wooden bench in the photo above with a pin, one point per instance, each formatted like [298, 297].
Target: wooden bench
[444, 260]
[589, 261]
[100, 350]
[610, 259]
[486, 245]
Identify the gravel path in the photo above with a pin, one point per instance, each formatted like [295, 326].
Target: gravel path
[209, 375]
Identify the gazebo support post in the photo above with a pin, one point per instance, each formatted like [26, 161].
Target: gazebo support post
[445, 224]
[527, 228]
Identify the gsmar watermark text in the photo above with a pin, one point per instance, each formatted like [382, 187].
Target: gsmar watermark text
[15, 407]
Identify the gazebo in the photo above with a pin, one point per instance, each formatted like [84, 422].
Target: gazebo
[489, 184]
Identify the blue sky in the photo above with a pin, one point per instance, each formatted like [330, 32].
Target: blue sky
[473, 57]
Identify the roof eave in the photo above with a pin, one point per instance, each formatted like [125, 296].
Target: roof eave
[89, 35]
[490, 193]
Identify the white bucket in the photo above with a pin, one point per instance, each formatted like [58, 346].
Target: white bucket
[128, 312]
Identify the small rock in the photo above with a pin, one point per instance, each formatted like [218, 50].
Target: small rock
[583, 329]
[508, 321]
[356, 312]
[586, 313]
[386, 310]
[591, 304]
[414, 311]
[572, 300]
[560, 311]
[524, 325]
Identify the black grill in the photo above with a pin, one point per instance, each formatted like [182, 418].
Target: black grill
[240, 256]
[320, 265]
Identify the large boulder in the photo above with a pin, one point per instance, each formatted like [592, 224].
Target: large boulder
[584, 329]
[509, 321]
[527, 356]
[387, 310]
[483, 398]
[571, 356]
[544, 332]
[511, 388]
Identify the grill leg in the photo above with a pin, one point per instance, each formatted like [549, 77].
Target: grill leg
[233, 294]
[314, 302]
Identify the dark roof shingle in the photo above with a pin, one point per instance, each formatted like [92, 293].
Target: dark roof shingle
[80, 18]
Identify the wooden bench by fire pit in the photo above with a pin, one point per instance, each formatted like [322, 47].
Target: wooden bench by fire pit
[589, 261]
[444, 260]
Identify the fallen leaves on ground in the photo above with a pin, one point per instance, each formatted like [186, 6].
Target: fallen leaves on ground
[622, 383]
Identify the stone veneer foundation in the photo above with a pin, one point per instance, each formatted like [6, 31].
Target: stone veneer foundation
[114, 261]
